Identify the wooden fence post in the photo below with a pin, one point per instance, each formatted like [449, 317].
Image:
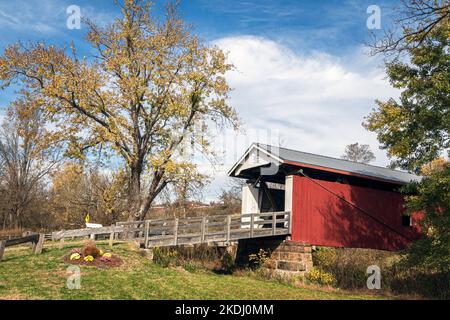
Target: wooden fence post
[252, 223]
[290, 222]
[175, 232]
[111, 239]
[146, 230]
[34, 245]
[228, 227]
[203, 229]
[274, 223]
[2, 248]
[61, 243]
[126, 232]
[39, 244]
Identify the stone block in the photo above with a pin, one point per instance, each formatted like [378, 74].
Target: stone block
[284, 256]
[275, 255]
[302, 266]
[299, 249]
[271, 264]
[295, 256]
[291, 265]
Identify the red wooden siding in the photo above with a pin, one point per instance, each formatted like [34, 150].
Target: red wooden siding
[321, 218]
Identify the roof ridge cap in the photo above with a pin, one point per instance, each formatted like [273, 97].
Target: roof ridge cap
[330, 157]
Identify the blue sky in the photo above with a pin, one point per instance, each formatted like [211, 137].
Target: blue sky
[301, 67]
[330, 25]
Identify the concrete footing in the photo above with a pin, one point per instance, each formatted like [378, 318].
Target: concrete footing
[147, 253]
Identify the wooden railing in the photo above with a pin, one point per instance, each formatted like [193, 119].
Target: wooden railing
[37, 241]
[85, 232]
[169, 232]
[226, 228]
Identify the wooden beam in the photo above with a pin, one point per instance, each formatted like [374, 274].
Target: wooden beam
[203, 229]
[228, 228]
[32, 238]
[290, 223]
[175, 232]
[111, 239]
[61, 244]
[274, 223]
[86, 232]
[40, 244]
[146, 231]
[2, 248]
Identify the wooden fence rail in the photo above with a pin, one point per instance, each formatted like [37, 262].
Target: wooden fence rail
[224, 228]
[37, 241]
[85, 232]
[169, 232]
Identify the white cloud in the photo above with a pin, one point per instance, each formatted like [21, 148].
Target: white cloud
[36, 18]
[46, 17]
[316, 102]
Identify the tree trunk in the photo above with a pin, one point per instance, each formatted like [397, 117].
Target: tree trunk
[147, 206]
[155, 188]
[11, 220]
[134, 193]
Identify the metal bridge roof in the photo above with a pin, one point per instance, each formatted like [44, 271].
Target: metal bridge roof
[295, 157]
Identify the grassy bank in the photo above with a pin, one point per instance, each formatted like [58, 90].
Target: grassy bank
[27, 276]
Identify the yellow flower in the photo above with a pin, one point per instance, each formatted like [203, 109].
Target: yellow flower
[89, 258]
[107, 255]
[101, 252]
[75, 256]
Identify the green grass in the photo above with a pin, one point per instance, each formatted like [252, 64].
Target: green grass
[24, 275]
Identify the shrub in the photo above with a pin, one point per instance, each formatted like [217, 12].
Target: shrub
[91, 251]
[165, 257]
[210, 257]
[321, 277]
[259, 259]
[226, 263]
[348, 266]
[190, 267]
[405, 279]
[325, 258]
[200, 253]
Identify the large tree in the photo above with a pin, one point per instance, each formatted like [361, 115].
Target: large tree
[432, 198]
[359, 153]
[78, 190]
[415, 129]
[149, 85]
[414, 21]
[27, 157]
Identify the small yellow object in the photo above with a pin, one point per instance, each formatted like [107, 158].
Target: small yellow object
[101, 252]
[75, 256]
[107, 255]
[89, 258]
[87, 218]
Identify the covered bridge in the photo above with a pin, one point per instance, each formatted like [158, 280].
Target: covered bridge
[333, 202]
